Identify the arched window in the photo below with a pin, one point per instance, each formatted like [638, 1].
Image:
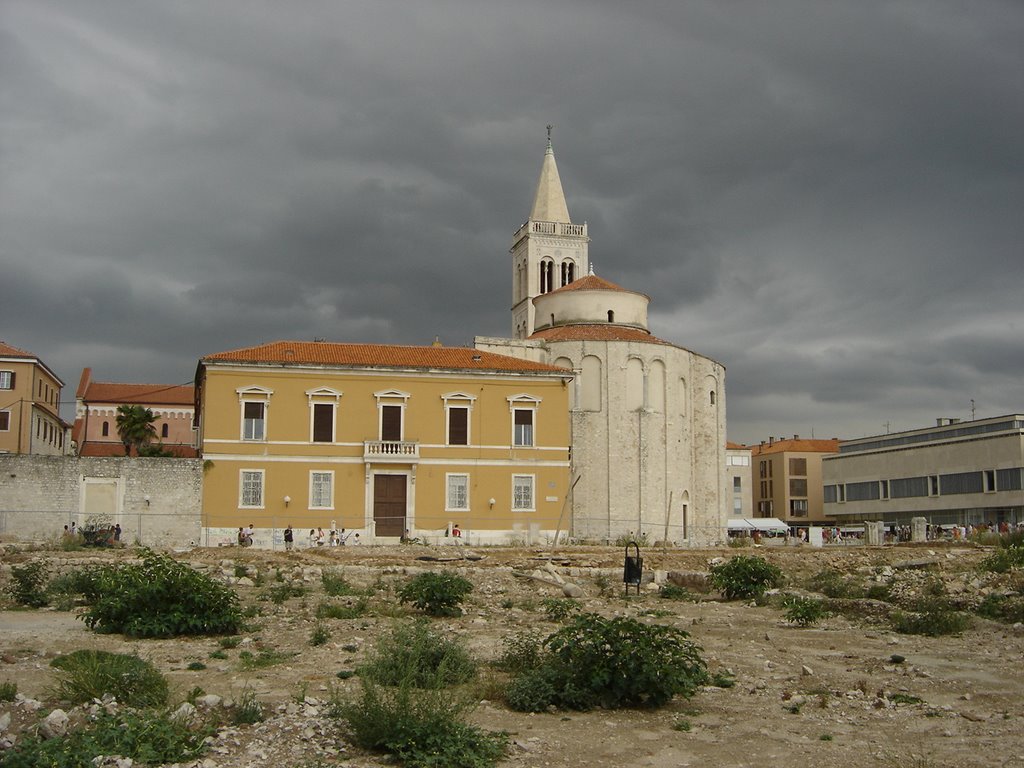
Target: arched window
[712, 397]
[106, 429]
[568, 272]
[611, 316]
[552, 319]
[164, 430]
[547, 276]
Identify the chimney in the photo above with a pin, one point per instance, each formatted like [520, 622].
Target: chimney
[771, 440]
[796, 437]
[436, 342]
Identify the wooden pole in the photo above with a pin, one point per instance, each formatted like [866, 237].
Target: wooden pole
[565, 502]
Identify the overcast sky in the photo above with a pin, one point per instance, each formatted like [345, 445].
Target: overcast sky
[826, 197]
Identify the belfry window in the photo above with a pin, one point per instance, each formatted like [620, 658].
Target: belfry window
[568, 272]
[547, 276]
[611, 316]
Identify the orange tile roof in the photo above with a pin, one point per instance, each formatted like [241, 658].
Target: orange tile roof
[592, 283]
[142, 394]
[731, 446]
[380, 356]
[6, 350]
[597, 332]
[797, 446]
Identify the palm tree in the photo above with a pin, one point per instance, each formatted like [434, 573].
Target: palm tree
[135, 426]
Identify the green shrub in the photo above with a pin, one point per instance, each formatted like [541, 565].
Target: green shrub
[804, 610]
[145, 737]
[559, 608]
[161, 597]
[248, 710]
[229, 642]
[8, 691]
[279, 593]
[85, 675]
[745, 576]
[833, 583]
[320, 634]
[881, 592]
[631, 538]
[28, 584]
[264, 658]
[1003, 560]
[341, 611]
[335, 584]
[423, 728]
[1005, 608]
[436, 594]
[669, 591]
[523, 651]
[416, 655]
[618, 662]
[933, 620]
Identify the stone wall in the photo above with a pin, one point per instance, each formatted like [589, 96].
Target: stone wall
[156, 501]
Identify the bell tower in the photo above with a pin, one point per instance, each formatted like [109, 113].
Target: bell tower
[548, 251]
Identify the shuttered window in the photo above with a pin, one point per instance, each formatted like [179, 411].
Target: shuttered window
[458, 426]
[323, 423]
[391, 422]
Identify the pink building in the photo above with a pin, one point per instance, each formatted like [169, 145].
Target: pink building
[95, 430]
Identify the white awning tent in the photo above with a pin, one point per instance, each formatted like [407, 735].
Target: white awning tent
[756, 524]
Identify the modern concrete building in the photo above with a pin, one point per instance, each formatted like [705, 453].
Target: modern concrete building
[383, 440]
[96, 403]
[964, 473]
[647, 416]
[30, 421]
[737, 477]
[786, 479]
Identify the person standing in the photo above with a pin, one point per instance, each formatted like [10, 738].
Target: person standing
[289, 539]
[117, 532]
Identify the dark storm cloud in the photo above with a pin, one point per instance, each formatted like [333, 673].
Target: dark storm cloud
[823, 196]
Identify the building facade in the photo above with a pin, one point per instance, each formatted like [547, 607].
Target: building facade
[955, 473]
[30, 421]
[737, 478]
[786, 479]
[382, 440]
[96, 403]
[647, 416]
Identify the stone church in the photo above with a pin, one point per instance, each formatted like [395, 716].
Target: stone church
[647, 416]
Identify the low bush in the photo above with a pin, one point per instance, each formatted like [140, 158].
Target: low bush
[264, 658]
[335, 584]
[1003, 560]
[320, 633]
[833, 583]
[804, 611]
[932, 619]
[8, 691]
[558, 609]
[669, 591]
[85, 675]
[436, 594]
[523, 651]
[341, 610]
[248, 710]
[28, 584]
[160, 597]
[280, 593]
[145, 737]
[745, 576]
[421, 728]
[416, 655]
[619, 662]
[1006, 608]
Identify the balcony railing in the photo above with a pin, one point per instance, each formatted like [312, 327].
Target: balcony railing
[391, 450]
[552, 228]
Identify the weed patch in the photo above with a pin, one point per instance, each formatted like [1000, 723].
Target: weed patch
[804, 611]
[262, 659]
[414, 654]
[85, 675]
[335, 584]
[354, 610]
[436, 594]
[28, 584]
[745, 576]
[558, 609]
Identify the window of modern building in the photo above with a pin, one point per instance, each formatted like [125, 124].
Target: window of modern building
[251, 482]
[798, 507]
[798, 466]
[457, 494]
[763, 468]
[933, 485]
[737, 484]
[798, 486]
[828, 493]
[990, 481]
[254, 420]
[522, 493]
[6, 379]
[883, 488]
[841, 493]
[321, 490]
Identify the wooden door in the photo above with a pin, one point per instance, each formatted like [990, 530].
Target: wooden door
[389, 504]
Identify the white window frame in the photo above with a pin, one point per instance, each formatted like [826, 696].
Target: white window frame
[6, 379]
[330, 475]
[524, 402]
[262, 474]
[391, 397]
[324, 396]
[449, 506]
[254, 395]
[458, 400]
[533, 493]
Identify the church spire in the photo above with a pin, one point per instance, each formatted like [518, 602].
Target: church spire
[549, 201]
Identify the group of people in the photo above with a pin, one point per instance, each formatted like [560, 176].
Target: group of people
[317, 537]
[104, 536]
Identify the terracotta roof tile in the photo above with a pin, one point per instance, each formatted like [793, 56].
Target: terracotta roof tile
[592, 283]
[380, 356]
[6, 350]
[142, 394]
[797, 446]
[597, 332]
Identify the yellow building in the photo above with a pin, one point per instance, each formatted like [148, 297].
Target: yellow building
[381, 440]
[30, 419]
